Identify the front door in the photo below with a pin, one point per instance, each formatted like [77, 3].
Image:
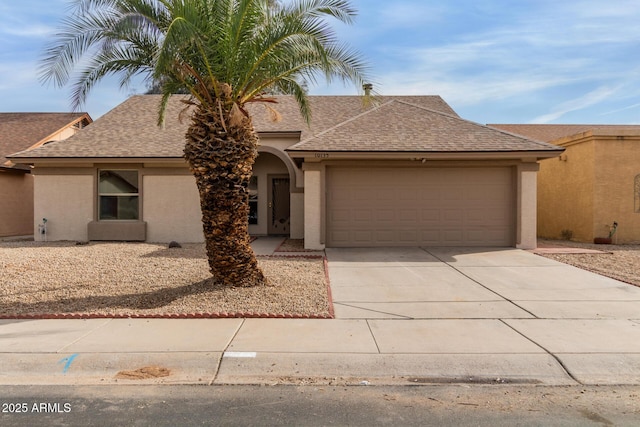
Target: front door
[279, 205]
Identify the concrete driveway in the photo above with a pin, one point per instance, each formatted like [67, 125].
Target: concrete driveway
[453, 301]
[471, 283]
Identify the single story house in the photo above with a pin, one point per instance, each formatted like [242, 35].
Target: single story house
[405, 171]
[593, 184]
[19, 132]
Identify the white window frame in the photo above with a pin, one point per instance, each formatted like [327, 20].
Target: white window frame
[100, 194]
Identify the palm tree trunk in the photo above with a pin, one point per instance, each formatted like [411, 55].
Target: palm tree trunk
[221, 157]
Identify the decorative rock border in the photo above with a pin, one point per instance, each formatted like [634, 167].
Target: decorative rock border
[294, 255]
[222, 315]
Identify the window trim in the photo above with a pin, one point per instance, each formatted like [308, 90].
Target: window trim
[254, 199]
[99, 195]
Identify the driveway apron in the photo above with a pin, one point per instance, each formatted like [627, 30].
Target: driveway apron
[490, 300]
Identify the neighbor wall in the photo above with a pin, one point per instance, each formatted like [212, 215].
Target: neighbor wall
[618, 165]
[565, 193]
[16, 203]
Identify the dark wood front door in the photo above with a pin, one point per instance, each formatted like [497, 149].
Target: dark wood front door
[279, 205]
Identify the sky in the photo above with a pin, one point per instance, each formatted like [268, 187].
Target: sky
[493, 61]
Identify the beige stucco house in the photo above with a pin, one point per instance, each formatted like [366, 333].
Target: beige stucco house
[406, 171]
[25, 131]
[593, 184]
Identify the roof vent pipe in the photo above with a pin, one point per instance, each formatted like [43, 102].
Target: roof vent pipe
[368, 87]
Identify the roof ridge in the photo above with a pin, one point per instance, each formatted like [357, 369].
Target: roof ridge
[517, 135]
[388, 99]
[426, 109]
[563, 124]
[422, 107]
[523, 137]
[349, 120]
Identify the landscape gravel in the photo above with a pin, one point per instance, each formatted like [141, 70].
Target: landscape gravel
[148, 279]
[621, 262]
[151, 279]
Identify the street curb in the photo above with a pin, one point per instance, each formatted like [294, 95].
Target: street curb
[102, 368]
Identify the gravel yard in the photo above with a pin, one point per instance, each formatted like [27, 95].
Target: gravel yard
[621, 262]
[147, 279]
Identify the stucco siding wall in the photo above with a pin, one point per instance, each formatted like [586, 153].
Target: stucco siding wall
[297, 216]
[281, 143]
[313, 229]
[526, 206]
[67, 202]
[618, 163]
[566, 193]
[171, 208]
[16, 204]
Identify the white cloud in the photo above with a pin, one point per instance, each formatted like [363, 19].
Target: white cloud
[403, 14]
[17, 74]
[618, 110]
[592, 98]
[33, 30]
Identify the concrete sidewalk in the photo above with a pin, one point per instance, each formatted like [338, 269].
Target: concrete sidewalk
[404, 316]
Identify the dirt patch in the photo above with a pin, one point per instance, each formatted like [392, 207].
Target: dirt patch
[293, 245]
[145, 373]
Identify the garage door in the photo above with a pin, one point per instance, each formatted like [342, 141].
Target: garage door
[407, 206]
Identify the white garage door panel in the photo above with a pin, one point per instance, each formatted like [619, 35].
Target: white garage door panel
[404, 207]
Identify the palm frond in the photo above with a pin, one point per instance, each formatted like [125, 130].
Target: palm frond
[252, 47]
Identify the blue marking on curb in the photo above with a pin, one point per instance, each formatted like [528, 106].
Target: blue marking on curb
[68, 360]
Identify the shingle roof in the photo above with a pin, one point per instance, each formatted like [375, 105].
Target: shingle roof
[399, 125]
[549, 133]
[20, 131]
[128, 130]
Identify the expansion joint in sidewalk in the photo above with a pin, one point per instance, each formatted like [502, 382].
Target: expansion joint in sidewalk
[219, 364]
[373, 336]
[557, 359]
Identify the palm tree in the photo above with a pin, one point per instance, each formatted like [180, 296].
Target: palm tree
[226, 54]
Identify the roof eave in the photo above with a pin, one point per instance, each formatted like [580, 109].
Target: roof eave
[428, 155]
[15, 169]
[111, 160]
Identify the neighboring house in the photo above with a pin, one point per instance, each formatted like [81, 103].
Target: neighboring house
[407, 171]
[19, 132]
[595, 182]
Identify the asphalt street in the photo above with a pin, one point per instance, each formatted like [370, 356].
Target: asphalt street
[432, 405]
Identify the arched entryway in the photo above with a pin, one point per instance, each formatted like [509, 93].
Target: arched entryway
[270, 196]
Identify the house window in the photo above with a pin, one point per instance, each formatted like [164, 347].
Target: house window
[253, 200]
[118, 196]
[636, 192]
